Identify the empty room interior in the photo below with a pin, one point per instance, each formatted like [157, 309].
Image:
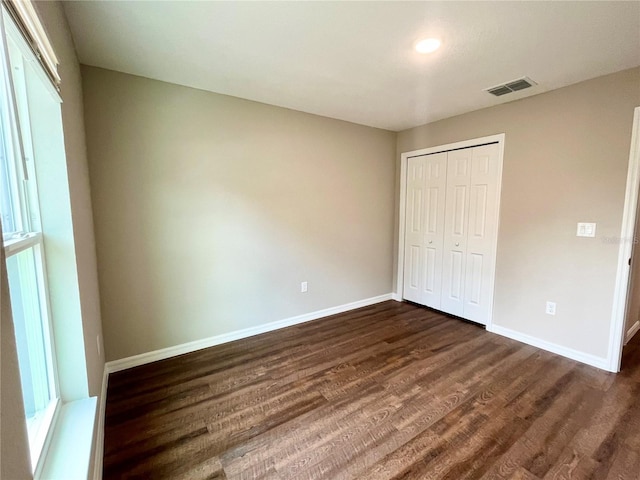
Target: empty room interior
[320, 240]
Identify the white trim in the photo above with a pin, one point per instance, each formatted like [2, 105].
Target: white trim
[401, 224]
[39, 455]
[473, 142]
[31, 22]
[396, 297]
[98, 450]
[598, 362]
[154, 356]
[500, 139]
[632, 331]
[621, 291]
[16, 36]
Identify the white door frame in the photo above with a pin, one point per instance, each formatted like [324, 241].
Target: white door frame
[404, 158]
[621, 292]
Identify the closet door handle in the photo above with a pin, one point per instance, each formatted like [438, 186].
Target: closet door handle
[430, 242]
[457, 244]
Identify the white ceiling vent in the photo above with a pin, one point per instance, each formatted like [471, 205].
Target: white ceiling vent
[512, 86]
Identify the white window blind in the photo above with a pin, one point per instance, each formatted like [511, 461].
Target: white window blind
[25, 16]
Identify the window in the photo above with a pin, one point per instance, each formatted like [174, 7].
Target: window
[23, 239]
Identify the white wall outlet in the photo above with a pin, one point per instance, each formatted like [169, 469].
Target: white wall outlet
[303, 287]
[551, 308]
[586, 230]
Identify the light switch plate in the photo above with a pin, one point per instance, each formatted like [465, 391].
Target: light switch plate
[586, 230]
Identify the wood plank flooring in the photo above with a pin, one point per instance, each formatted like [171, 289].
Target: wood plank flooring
[391, 391]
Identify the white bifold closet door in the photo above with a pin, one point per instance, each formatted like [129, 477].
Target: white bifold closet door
[482, 235]
[455, 231]
[426, 189]
[452, 268]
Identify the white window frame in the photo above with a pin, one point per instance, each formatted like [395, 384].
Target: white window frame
[29, 234]
[40, 428]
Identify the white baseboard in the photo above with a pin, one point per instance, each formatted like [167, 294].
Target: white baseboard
[632, 331]
[396, 296]
[98, 451]
[136, 360]
[589, 359]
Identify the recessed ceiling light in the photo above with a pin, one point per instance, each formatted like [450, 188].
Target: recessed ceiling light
[427, 45]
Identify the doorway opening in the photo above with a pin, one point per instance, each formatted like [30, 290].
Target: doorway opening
[626, 306]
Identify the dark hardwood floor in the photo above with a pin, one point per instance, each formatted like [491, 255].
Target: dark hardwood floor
[391, 391]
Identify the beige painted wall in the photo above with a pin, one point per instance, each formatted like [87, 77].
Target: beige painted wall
[566, 157]
[210, 210]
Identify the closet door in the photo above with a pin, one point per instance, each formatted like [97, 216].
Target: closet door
[482, 233]
[434, 209]
[424, 224]
[414, 229]
[455, 231]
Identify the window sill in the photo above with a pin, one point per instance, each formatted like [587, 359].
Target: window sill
[69, 453]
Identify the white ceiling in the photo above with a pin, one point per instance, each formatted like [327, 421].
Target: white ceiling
[354, 60]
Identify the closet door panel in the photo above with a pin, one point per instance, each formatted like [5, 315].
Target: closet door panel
[483, 223]
[414, 230]
[455, 231]
[455, 276]
[425, 204]
[436, 184]
[474, 280]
